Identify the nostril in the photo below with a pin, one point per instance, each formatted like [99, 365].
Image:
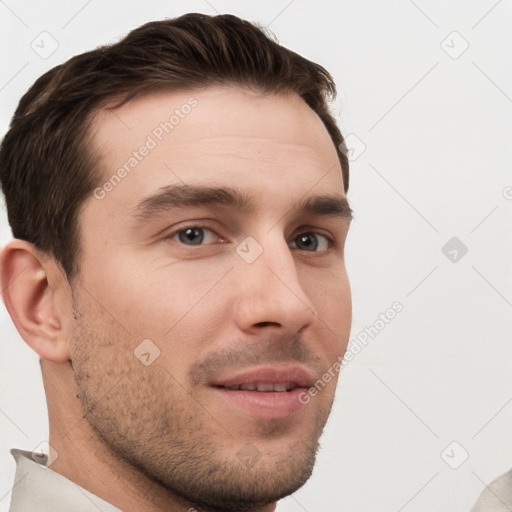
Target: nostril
[265, 324]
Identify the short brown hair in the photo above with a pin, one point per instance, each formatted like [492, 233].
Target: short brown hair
[47, 169]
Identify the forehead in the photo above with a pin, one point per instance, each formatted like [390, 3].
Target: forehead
[218, 135]
[217, 111]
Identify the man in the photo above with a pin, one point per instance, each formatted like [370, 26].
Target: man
[179, 212]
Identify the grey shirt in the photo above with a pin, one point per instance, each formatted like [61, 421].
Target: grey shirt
[497, 496]
[37, 487]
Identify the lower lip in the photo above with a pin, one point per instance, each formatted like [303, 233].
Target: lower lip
[269, 405]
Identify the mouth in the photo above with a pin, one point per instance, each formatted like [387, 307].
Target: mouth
[266, 392]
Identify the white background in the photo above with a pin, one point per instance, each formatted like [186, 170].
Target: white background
[437, 132]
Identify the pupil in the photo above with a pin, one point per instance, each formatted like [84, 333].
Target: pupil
[193, 235]
[308, 241]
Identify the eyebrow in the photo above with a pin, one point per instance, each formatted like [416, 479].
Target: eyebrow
[176, 196]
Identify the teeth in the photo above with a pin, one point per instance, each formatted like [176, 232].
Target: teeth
[264, 387]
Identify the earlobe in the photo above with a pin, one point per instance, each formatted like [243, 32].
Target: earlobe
[30, 298]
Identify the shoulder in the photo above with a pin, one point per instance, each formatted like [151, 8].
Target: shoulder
[497, 496]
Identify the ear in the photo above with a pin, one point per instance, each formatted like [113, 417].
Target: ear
[31, 283]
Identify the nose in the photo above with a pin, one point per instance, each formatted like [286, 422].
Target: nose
[270, 293]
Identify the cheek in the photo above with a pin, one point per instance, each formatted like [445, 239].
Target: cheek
[331, 296]
[180, 308]
[330, 293]
[155, 298]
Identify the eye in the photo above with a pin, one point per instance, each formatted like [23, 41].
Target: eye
[201, 235]
[312, 242]
[194, 235]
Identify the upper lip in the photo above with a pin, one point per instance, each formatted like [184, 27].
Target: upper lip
[297, 375]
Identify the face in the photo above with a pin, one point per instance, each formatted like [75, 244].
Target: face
[186, 291]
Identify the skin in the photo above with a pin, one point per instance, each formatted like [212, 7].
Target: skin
[156, 437]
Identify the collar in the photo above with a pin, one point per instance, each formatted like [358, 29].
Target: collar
[497, 496]
[37, 487]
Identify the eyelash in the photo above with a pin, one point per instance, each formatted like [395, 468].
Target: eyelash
[331, 243]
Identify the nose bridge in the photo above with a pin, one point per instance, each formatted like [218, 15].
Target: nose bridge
[271, 289]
